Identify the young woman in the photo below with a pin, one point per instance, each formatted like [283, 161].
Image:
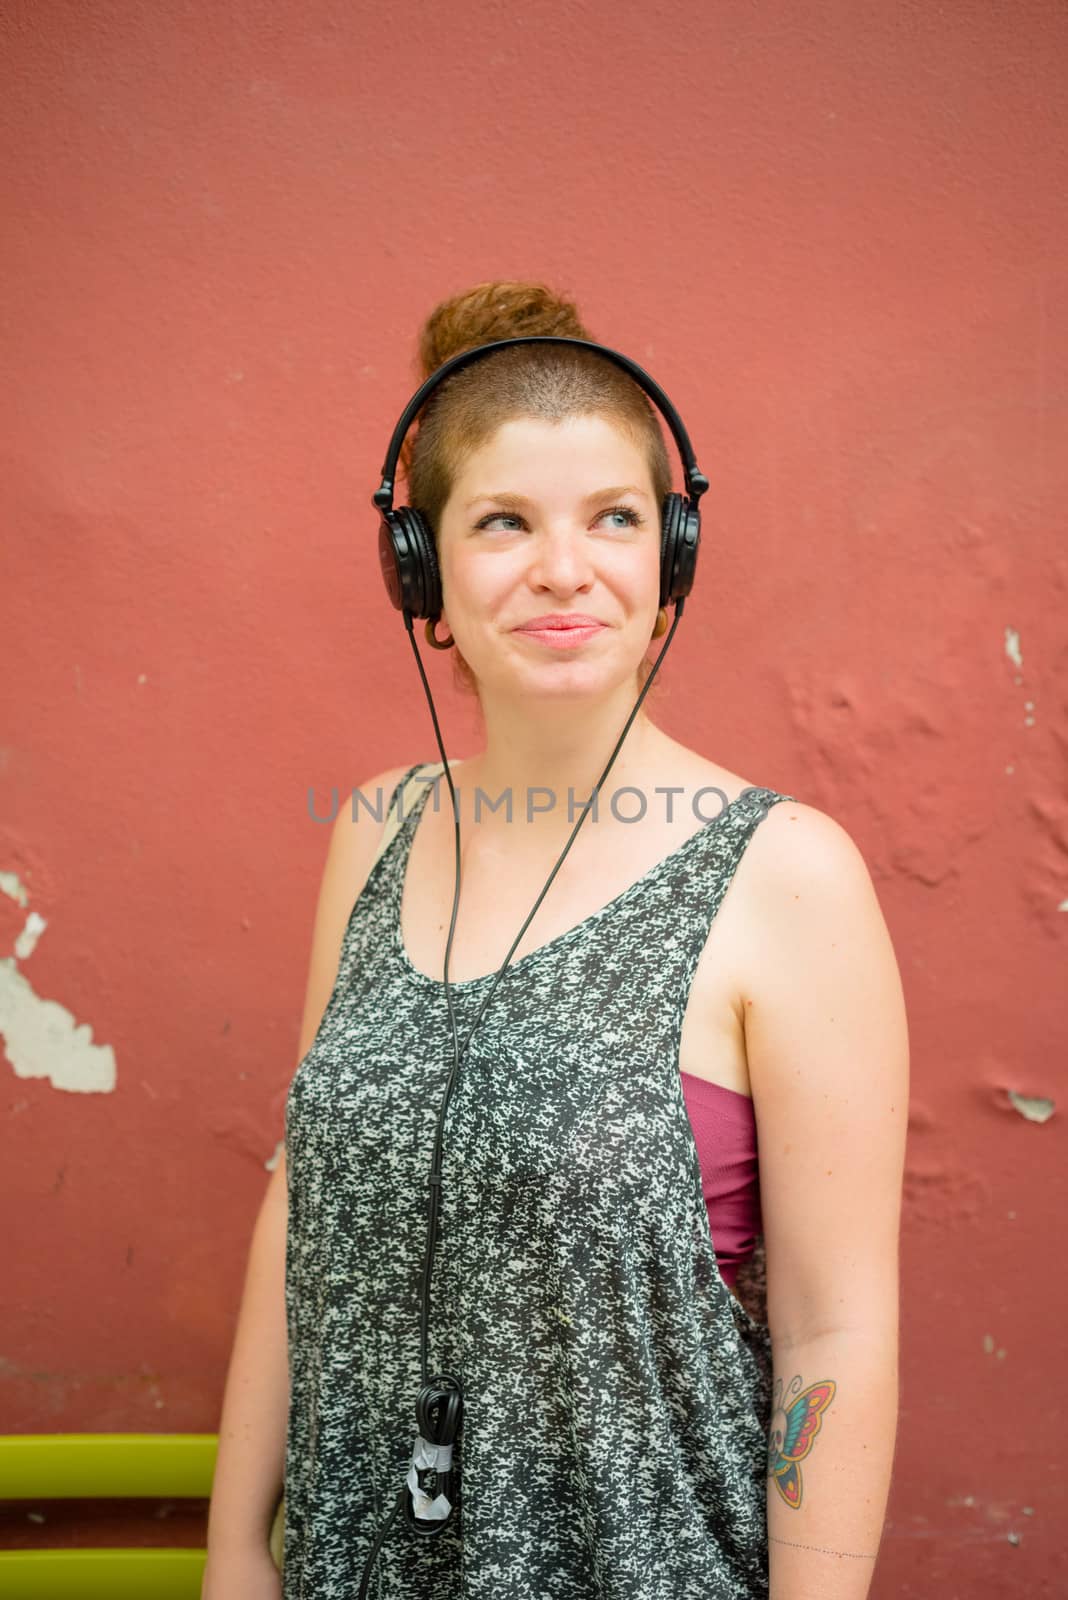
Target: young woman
[667, 1260]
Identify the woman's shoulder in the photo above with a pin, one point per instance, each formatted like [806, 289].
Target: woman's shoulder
[379, 793]
[793, 836]
[361, 825]
[693, 775]
[800, 853]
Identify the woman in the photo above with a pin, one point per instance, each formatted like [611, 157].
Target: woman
[679, 1369]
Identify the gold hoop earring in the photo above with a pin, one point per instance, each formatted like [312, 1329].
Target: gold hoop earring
[660, 626]
[432, 639]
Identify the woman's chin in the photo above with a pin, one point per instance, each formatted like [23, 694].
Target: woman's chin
[563, 680]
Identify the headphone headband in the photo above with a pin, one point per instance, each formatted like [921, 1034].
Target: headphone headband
[696, 481]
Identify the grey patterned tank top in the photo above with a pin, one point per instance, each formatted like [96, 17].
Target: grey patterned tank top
[616, 1392]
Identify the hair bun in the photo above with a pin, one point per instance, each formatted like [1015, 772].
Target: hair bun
[499, 310]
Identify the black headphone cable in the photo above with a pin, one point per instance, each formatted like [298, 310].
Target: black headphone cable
[439, 1405]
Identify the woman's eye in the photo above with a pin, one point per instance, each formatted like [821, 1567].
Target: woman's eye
[497, 516]
[631, 518]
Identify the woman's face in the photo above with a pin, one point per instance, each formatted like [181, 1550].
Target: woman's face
[551, 520]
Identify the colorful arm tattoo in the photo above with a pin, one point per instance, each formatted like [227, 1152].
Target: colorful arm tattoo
[796, 1419]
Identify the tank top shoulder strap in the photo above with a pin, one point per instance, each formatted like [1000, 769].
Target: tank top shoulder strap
[403, 798]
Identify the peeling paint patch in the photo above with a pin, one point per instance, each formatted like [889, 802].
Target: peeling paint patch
[11, 885]
[42, 1039]
[272, 1161]
[1063, 906]
[1036, 1108]
[26, 943]
[1012, 647]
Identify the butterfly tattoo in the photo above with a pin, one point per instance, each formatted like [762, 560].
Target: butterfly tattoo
[795, 1421]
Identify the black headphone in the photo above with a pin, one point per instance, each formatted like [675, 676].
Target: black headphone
[406, 548]
[409, 565]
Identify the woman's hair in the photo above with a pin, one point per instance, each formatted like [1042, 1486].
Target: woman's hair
[547, 382]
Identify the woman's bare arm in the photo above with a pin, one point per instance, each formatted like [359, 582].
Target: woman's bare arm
[252, 1428]
[827, 1045]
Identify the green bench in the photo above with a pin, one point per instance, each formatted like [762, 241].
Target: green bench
[105, 1466]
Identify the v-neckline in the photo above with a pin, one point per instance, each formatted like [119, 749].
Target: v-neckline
[561, 939]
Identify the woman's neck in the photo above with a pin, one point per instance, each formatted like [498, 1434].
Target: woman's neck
[550, 765]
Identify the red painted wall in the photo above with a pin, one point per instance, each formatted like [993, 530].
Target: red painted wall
[836, 234]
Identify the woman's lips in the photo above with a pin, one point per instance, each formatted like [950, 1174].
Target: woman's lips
[563, 637]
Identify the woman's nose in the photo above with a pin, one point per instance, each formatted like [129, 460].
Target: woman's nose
[561, 560]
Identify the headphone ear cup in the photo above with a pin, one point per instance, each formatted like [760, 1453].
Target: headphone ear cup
[679, 540]
[409, 562]
[680, 524]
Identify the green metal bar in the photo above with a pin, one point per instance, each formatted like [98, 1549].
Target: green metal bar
[83, 1466]
[101, 1574]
